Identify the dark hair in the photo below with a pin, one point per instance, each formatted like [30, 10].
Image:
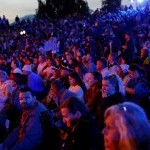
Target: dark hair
[57, 83]
[17, 63]
[76, 76]
[74, 105]
[104, 62]
[26, 89]
[136, 68]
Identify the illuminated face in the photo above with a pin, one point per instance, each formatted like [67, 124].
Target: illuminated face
[26, 100]
[90, 79]
[107, 87]
[72, 81]
[111, 134]
[68, 117]
[133, 74]
[13, 65]
[99, 65]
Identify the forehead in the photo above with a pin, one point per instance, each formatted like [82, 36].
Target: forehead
[65, 111]
[25, 94]
[110, 120]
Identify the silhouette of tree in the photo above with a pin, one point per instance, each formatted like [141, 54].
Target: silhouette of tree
[111, 5]
[61, 8]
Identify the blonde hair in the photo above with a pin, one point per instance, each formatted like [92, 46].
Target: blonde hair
[132, 124]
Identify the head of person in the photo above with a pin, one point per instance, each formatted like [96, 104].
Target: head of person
[126, 127]
[135, 72]
[17, 79]
[65, 69]
[27, 98]
[144, 53]
[112, 58]
[94, 77]
[101, 64]
[127, 36]
[3, 76]
[56, 88]
[41, 58]
[15, 64]
[56, 72]
[112, 84]
[72, 111]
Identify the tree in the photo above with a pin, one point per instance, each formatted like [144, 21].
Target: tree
[111, 5]
[61, 8]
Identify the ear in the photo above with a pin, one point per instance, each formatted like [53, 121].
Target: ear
[78, 114]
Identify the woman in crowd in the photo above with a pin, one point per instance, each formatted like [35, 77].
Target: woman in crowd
[76, 85]
[126, 128]
[80, 131]
[112, 93]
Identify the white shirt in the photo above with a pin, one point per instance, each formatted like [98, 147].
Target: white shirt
[78, 91]
[40, 67]
[105, 72]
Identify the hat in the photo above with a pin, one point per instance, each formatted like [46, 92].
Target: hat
[66, 66]
[27, 68]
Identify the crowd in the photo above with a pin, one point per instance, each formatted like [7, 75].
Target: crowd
[80, 82]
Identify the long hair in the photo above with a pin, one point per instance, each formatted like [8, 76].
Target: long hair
[79, 82]
[132, 124]
[117, 82]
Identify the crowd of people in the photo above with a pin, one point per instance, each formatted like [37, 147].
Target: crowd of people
[80, 82]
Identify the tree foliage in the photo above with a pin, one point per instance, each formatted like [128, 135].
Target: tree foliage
[111, 5]
[61, 8]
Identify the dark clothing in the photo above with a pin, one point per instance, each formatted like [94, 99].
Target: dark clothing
[29, 133]
[83, 136]
[104, 103]
[65, 81]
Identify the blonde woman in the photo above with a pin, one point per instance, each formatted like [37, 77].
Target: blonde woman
[126, 128]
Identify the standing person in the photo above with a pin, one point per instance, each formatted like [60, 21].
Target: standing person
[81, 133]
[28, 135]
[122, 124]
[129, 47]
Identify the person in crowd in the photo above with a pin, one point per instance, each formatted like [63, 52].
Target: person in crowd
[15, 65]
[47, 71]
[122, 124]
[144, 56]
[137, 88]
[80, 132]
[5, 89]
[102, 67]
[41, 65]
[34, 81]
[13, 107]
[112, 63]
[94, 81]
[124, 64]
[58, 92]
[112, 93]
[65, 70]
[77, 86]
[129, 47]
[88, 63]
[28, 135]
